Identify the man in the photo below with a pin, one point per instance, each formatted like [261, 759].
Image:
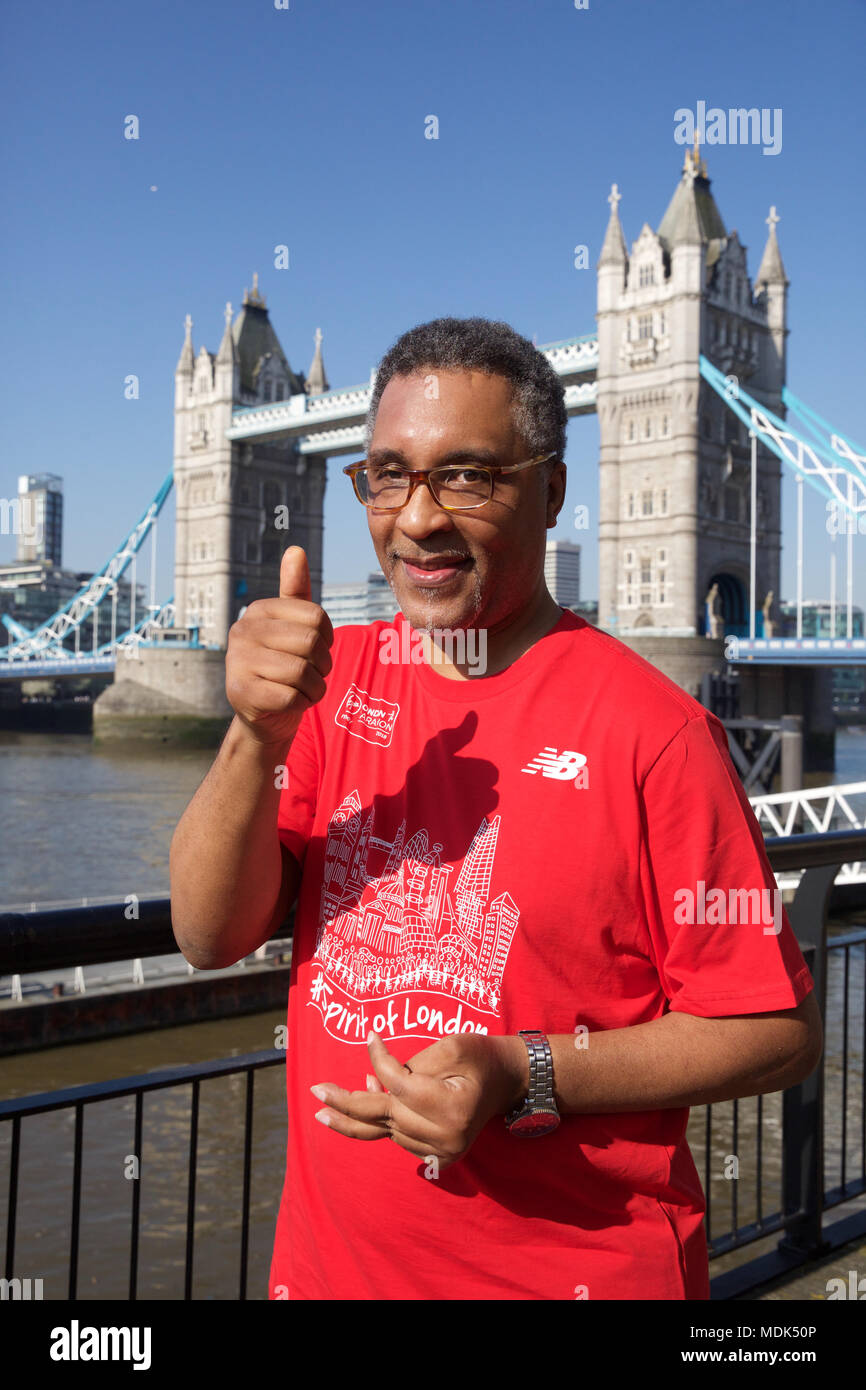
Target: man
[531, 848]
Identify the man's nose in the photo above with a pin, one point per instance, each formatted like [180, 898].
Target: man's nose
[422, 514]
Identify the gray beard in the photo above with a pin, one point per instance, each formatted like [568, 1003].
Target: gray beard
[429, 603]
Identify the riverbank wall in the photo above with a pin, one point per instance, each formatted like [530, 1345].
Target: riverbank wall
[114, 1010]
[166, 695]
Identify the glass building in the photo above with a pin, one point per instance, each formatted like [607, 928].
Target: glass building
[40, 519]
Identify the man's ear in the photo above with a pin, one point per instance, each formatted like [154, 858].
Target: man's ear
[555, 493]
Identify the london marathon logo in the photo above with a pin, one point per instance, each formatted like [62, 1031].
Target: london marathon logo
[393, 928]
[367, 716]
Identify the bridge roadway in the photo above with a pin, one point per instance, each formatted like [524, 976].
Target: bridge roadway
[333, 423]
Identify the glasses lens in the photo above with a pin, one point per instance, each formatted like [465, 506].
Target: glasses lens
[461, 487]
[382, 486]
[456, 488]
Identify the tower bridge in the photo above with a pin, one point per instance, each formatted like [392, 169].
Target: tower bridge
[686, 370]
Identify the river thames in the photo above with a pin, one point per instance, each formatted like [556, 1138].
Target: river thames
[83, 822]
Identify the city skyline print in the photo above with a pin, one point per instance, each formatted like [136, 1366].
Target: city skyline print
[394, 921]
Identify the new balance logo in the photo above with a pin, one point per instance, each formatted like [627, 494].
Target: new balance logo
[564, 767]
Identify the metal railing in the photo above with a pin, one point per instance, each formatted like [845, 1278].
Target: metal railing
[41, 942]
[803, 1195]
[77, 1097]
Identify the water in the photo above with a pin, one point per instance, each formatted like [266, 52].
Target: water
[77, 821]
[850, 755]
[80, 821]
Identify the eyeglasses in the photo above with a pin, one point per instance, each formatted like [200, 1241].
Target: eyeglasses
[457, 487]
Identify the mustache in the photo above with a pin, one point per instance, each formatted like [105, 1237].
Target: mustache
[430, 555]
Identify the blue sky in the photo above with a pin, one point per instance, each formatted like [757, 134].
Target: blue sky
[306, 127]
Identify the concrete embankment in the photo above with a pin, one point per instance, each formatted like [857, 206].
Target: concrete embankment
[113, 1010]
[166, 695]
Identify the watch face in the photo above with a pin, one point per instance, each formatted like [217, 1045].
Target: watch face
[528, 1126]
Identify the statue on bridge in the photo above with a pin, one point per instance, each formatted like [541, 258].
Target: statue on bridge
[715, 612]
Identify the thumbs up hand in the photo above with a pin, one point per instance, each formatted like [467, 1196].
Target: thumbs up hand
[294, 574]
[278, 656]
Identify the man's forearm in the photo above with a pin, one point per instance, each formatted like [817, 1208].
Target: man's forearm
[226, 860]
[677, 1060]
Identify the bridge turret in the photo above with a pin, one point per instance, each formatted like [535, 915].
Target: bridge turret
[613, 261]
[227, 373]
[265, 373]
[239, 504]
[317, 381]
[185, 365]
[691, 227]
[612, 270]
[771, 288]
[674, 461]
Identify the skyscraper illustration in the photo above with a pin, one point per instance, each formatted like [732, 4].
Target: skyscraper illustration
[392, 929]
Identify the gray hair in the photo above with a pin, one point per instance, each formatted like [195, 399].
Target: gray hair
[486, 345]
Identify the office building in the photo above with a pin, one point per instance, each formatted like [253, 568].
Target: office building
[367, 602]
[562, 572]
[40, 519]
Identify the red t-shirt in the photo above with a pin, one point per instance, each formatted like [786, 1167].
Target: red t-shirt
[534, 849]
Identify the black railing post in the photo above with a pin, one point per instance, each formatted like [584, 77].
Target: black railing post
[735, 1149]
[12, 1210]
[76, 1203]
[803, 1104]
[136, 1201]
[708, 1169]
[190, 1202]
[245, 1206]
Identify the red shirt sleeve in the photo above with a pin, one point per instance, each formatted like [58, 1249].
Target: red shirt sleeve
[722, 941]
[297, 806]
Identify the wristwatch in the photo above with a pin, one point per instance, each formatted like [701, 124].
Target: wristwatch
[538, 1113]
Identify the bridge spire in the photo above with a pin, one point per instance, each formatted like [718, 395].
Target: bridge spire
[693, 165]
[253, 296]
[771, 270]
[186, 361]
[227, 352]
[317, 381]
[613, 250]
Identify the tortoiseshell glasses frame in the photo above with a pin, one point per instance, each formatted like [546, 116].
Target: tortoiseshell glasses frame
[417, 476]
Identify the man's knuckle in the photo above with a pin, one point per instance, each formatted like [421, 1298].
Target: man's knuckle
[307, 642]
[322, 623]
[293, 698]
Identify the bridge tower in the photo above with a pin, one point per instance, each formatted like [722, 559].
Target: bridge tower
[675, 465]
[239, 504]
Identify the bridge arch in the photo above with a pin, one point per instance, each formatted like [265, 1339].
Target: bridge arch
[735, 604]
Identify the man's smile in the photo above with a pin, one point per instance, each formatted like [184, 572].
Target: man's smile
[432, 571]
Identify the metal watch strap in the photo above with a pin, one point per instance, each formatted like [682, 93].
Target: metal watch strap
[540, 1067]
[540, 1091]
